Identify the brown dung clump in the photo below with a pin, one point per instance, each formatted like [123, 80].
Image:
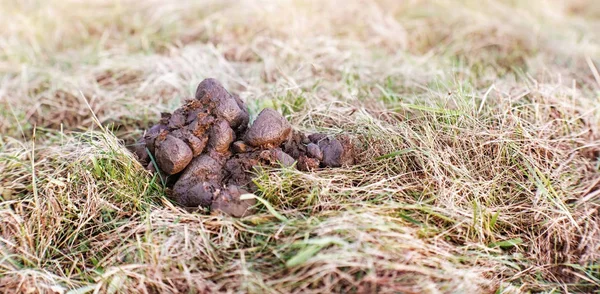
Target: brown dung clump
[207, 153]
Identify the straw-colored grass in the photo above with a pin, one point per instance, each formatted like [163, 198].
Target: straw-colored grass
[479, 123]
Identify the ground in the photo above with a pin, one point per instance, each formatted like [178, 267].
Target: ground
[479, 123]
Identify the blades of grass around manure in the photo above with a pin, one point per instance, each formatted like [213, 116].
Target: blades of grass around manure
[494, 220]
[396, 153]
[587, 270]
[431, 109]
[485, 97]
[266, 203]
[115, 284]
[164, 183]
[506, 244]
[94, 117]
[410, 219]
[544, 185]
[83, 290]
[302, 256]
[33, 174]
[429, 211]
[7, 257]
[392, 97]
[310, 248]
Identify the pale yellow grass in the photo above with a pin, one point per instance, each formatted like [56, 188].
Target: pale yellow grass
[478, 120]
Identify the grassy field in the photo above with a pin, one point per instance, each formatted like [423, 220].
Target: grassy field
[479, 123]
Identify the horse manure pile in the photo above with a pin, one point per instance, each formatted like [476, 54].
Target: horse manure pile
[206, 151]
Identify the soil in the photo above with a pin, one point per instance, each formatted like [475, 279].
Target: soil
[207, 153]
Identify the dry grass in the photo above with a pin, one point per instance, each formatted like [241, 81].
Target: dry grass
[479, 122]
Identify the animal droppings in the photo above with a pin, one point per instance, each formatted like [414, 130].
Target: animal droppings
[208, 151]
